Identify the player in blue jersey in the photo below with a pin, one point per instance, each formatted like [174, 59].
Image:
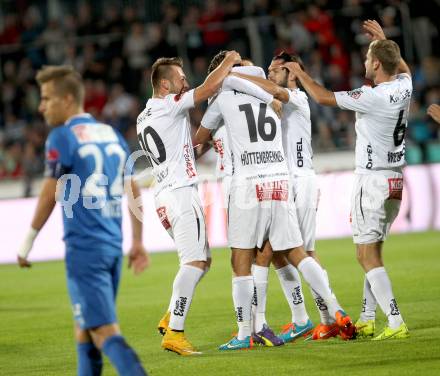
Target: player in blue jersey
[87, 164]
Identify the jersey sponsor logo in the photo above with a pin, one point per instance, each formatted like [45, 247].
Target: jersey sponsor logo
[394, 157]
[261, 157]
[399, 97]
[160, 175]
[99, 133]
[190, 169]
[299, 156]
[395, 188]
[369, 157]
[52, 155]
[162, 214]
[355, 94]
[273, 191]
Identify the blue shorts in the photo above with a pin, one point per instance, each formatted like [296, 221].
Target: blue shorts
[92, 281]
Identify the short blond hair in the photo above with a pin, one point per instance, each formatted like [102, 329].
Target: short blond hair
[388, 53]
[66, 80]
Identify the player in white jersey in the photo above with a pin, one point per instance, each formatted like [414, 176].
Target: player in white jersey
[296, 128]
[261, 206]
[164, 134]
[381, 113]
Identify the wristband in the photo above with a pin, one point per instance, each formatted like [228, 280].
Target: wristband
[26, 246]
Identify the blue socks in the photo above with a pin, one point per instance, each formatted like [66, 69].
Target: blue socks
[89, 360]
[122, 356]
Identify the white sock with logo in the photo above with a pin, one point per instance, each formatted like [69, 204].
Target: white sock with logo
[381, 287]
[242, 291]
[291, 284]
[315, 277]
[369, 303]
[324, 314]
[184, 285]
[260, 274]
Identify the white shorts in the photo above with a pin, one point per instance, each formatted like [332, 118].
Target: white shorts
[181, 214]
[306, 195]
[258, 212]
[375, 204]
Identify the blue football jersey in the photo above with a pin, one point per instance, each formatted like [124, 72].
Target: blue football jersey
[91, 160]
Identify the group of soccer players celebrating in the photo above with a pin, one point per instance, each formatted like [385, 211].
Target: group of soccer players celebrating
[261, 130]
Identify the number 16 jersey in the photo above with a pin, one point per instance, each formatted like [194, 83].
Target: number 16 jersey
[254, 135]
[381, 114]
[163, 131]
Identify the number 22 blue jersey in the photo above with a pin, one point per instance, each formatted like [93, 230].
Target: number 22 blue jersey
[90, 160]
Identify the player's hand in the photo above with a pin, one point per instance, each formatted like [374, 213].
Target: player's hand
[23, 263]
[277, 106]
[373, 30]
[434, 112]
[233, 57]
[138, 258]
[292, 67]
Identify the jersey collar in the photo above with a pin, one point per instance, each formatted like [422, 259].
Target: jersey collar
[80, 118]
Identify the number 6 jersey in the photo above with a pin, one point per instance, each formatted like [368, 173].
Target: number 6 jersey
[381, 116]
[163, 130]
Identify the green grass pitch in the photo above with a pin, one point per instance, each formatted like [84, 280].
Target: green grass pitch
[36, 325]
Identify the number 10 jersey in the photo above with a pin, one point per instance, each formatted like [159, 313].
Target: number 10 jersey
[163, 131]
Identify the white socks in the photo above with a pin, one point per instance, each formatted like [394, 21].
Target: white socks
[383, 292]
[242, 291]
[315, 277]
[184, 285]
[324, 315]
[291, 284]
[369, 303]
[261, 275]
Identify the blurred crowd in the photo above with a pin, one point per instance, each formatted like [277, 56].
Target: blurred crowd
[114, 43]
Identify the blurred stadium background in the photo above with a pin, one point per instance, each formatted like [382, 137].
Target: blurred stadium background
[114, 43]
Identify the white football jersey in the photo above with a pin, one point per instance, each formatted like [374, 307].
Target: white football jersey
[254, 135]
[163, 130]
[381, 120]
[224, 163]
[297, 133]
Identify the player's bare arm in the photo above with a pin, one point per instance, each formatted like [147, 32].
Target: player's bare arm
[45, 205]
[202, 136]
[375, 32]
[216, 77]
[277, 91]
[138, 257]
[201, 149]
[319, 93]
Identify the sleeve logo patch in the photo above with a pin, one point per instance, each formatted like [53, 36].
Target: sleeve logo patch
[52, 155]
[355, 94]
